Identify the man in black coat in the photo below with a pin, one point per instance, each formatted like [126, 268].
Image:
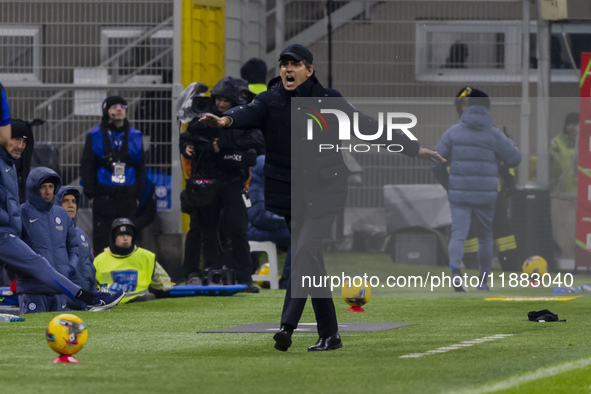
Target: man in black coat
[322, 174]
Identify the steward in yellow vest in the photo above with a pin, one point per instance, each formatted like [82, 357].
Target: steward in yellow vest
[124, 266]
[254, 71]
[563, 157]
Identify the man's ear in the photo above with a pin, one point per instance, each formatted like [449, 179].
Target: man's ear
[310, 71]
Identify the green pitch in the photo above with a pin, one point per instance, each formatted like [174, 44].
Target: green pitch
[154, 348]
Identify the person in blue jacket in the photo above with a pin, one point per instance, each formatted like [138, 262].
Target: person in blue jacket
[112, 170]
[16, 254]
[265, 225]
[49, 231]
[68, 197]
[472, 148]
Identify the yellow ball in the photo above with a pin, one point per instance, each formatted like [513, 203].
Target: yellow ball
[535, 264]
[355, 292]
[263, 270]
[66, 334]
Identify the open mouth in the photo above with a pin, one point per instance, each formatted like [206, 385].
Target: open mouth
[290, 78]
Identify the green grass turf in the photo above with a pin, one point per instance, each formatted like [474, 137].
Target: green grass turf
[154, 347]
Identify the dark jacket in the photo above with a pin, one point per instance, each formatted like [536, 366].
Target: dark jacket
[237, 152]
[472, 148]
[48, 230]
[99, 154]
[10, 210]
[322, 175]
[259, 219]
[238, 148]
[147, 209]
[85, 275]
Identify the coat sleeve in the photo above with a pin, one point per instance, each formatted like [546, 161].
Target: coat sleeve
[507, 149]
[72, 247]
[250, 116]
[90, 272]
[148, 208]
[140, 176]
[443, 147]
[160, 279]
[88, 168]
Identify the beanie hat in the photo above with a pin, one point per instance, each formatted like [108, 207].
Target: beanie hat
[122, 226]
[110, 101]
[20, 129]
[254, 71]
[468, 96]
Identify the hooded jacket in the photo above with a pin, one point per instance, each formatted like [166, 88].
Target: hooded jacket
[323, 175]
[238, 148]
[48, 230]
[10, 210]
[85, 275]
[473, 147]
[260, 220]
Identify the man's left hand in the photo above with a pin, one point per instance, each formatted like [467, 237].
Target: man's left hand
[430, 155]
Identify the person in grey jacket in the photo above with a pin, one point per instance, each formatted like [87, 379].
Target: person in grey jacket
[48, 230]
[84, 276]
[472, 148]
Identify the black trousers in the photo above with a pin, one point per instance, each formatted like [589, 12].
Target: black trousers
[105, 209]
[308, 260]
[235, 222]
[192, 248]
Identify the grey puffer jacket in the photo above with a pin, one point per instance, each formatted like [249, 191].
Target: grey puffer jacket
[473, 147]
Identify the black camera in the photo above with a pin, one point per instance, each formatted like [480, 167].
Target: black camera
[219, 277]
[202, 105]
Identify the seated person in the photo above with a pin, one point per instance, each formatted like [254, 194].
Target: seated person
[125, 266]
[48, 230]
[264, 225]
[85, 274]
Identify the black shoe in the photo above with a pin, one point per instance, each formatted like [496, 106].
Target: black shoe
[457, 284]
[250, 288]
[282, 339]
[331, 343]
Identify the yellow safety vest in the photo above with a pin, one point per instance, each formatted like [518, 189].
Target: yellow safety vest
[563, 166]
[257, 88]
[131, 273]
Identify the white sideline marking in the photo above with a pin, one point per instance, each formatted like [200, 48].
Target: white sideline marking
[518, 380]
[456, 346]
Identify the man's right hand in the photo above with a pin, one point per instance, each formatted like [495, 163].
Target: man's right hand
[210, 120]
[189, 150]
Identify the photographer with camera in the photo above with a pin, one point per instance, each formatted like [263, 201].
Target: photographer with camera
[219, 167]
[112, 170]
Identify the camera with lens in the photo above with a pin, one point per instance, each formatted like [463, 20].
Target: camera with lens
[218, 277]
[202, 105]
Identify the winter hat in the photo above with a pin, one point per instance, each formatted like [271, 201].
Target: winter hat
[254, 71]
[471, 96]
[122, 226]
[111, 101]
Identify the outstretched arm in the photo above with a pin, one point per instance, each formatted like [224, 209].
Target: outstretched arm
[430, 155]
[210, 120]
